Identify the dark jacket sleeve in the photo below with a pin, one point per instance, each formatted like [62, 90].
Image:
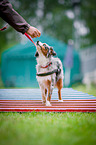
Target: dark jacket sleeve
[8, 14]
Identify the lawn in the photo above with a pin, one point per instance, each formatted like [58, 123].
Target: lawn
[85, 89]
[47, 128]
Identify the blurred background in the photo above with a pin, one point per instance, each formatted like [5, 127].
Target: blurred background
[67, 25]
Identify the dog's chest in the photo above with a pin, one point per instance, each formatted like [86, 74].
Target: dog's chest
[55, 64]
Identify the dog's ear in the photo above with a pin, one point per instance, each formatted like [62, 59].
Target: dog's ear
[36, 54]
[52, 52]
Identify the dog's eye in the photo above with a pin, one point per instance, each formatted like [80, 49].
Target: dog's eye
[46, 48]
[51, 48]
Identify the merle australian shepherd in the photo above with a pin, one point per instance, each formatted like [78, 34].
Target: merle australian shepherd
[49, 72]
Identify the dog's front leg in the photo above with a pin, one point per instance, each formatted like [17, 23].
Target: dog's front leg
[43, 94]
[49, 94]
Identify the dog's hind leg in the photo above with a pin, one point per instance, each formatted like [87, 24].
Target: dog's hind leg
[59, 85]
[43, 99]
[45, 92]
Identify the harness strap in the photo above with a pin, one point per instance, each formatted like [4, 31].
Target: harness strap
[57, 71]
[46, 74]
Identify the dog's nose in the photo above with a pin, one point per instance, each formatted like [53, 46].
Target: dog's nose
[37, 42]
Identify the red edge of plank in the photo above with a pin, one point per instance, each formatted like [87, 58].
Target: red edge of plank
[48, 110]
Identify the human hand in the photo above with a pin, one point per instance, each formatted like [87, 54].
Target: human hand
[33, 32]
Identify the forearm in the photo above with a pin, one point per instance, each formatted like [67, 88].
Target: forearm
[8, 14]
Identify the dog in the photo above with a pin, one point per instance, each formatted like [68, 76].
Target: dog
[49, 71]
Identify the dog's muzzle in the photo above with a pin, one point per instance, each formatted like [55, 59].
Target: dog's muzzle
[37, 43]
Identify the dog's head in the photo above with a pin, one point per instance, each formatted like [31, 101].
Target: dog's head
[45, 49]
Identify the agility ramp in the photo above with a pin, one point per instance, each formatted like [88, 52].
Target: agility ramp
[28, 100]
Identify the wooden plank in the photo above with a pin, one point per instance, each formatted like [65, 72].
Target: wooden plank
[34, 105]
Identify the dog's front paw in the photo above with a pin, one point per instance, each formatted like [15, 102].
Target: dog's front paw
[48, 103]
[44, 102]
[60, 100]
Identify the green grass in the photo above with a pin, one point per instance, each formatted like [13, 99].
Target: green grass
[90, 90]
[47, 128]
